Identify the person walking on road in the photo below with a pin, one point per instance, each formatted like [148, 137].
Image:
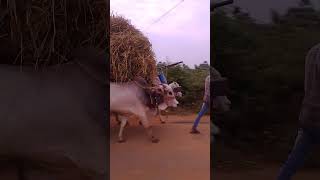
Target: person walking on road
[204, 108]
[309, 130]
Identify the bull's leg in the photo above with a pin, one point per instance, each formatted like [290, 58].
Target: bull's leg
[156, 114]
[119, 121]
[148, 128]
[160, 117]
[140, 111]
[122, 126]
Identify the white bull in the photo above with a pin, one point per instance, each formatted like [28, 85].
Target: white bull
[177, 93]
[137, 99]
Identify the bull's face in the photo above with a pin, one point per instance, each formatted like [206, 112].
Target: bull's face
[176, 89]
[168, 97]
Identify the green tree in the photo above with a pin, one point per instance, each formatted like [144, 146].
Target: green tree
[265, 66]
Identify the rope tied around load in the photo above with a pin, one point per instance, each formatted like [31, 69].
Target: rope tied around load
[153, 92]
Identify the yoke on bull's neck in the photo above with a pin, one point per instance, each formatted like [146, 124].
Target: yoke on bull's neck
[152, 96]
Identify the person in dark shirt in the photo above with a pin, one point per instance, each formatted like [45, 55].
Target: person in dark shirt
[309, 131]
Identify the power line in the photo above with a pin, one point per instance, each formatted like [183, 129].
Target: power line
[163, 15]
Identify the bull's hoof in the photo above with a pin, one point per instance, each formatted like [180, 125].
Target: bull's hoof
[155, 140]
[121, 140]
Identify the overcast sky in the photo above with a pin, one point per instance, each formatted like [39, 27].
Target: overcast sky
[182, 35]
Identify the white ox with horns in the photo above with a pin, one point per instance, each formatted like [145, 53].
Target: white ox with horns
[177, 93]
[137, 98]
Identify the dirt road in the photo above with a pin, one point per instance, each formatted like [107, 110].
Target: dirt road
[178, 155]
[267, 173]
[232, 164]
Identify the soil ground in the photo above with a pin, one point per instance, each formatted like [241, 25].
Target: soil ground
[178, 155]
[231, 164]
[269, 172]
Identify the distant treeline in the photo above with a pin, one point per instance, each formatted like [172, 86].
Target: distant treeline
[265, 65]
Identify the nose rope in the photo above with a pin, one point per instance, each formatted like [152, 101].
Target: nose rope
[153, 99]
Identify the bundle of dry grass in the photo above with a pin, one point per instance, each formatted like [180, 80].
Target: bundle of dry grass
[131, 52]
[43, 32]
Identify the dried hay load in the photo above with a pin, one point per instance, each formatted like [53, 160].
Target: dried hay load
[43, 32]
[131, 52]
